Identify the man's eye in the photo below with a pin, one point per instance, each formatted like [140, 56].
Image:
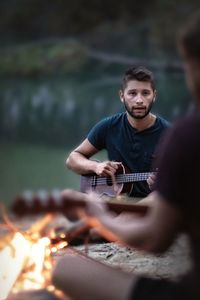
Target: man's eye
[146, 93]
[133, 93]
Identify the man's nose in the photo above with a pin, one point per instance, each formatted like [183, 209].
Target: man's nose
[139, 99]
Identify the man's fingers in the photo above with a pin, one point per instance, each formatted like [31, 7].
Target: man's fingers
[107, 168]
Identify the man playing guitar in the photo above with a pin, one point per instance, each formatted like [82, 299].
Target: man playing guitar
[130, 137]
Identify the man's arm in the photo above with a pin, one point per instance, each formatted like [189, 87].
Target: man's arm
[79, 161]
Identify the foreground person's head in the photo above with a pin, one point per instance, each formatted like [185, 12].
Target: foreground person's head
[189, 47]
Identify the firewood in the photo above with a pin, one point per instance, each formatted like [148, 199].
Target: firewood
[12, 260]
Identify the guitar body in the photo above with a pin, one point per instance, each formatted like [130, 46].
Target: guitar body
[104, 185]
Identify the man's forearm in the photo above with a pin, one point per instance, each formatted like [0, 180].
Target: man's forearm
[80, 164]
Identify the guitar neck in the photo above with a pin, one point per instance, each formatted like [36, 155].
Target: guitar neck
[121, 178]
[94, 180]
[132, 177]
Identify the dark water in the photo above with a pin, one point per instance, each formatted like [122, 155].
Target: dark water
[60, 110]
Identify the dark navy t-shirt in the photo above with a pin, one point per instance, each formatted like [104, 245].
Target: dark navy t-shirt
[135, 149]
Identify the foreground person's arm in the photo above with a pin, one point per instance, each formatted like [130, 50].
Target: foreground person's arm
[84, 278]
[153, 232]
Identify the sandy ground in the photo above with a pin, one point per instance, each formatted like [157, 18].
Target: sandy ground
[172, 264]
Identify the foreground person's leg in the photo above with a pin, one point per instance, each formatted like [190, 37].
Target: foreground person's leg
[86, 279]
[33, 295]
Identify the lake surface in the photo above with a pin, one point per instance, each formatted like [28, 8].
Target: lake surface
[34, 168]
[60, 110]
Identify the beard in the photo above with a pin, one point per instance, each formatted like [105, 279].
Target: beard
[135, 114]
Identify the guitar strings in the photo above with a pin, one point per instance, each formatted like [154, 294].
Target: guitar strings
[114, 183]
[120, 178]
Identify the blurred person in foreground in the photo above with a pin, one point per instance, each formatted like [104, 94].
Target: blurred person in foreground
[130, 137]
[174, 207]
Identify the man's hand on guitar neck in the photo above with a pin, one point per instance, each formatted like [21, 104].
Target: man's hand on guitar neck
[151, 180]
[107, 168]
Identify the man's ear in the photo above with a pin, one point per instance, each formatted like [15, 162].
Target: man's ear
[154, 97]
[121, 96]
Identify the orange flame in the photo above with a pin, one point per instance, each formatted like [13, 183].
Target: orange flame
[26, 260]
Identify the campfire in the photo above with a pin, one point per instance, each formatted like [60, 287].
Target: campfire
[27, 257]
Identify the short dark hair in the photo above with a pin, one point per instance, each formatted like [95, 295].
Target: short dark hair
[189, 37]
[139, 73]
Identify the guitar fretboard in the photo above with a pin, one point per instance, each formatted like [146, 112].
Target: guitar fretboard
[120, 178]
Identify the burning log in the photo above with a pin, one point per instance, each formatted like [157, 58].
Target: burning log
[33, 276]
[12, 260]
[74, 234]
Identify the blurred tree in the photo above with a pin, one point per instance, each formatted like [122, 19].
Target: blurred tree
[23, 20]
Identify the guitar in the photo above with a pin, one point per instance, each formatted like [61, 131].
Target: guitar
[104, 185]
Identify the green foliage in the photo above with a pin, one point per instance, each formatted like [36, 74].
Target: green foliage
[45, 58]
[23, 20]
